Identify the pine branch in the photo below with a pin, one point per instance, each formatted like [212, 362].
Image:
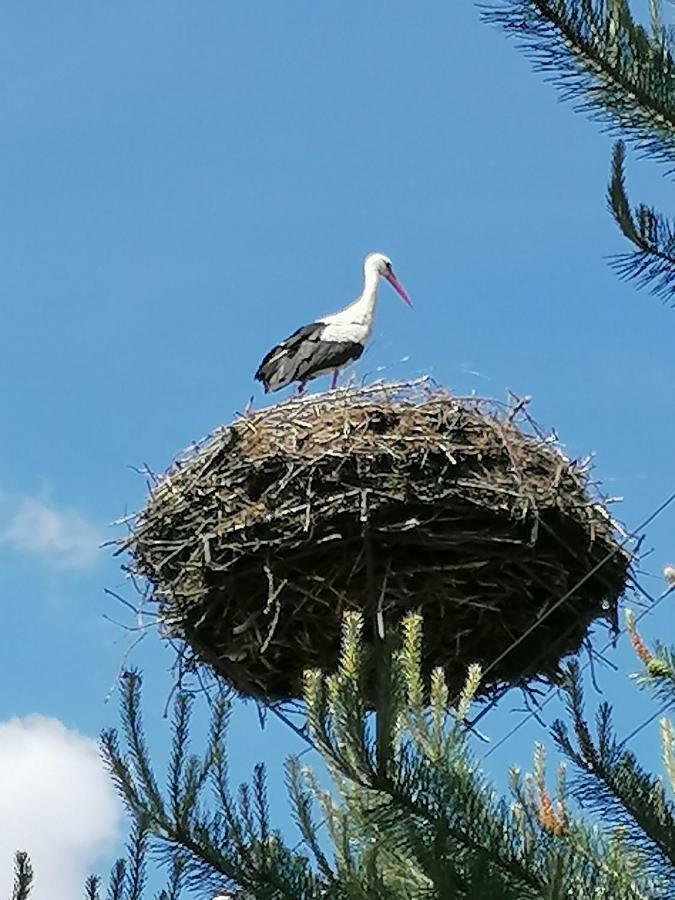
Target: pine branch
[138, 751]
[137, 849]
[231, 848]
[611, 782]
[435, 821]
[179, 747]
[91, 888]
[23, 876]
[413, 819]
[610, 857]
[653, 263]
[658, 672]
[302, 799]
[424, 797]
[668, 747]
[176, 877]
[345, 744]
[600, 57]
[118, 877]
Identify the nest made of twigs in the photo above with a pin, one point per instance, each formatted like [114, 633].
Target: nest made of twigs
[384, 499]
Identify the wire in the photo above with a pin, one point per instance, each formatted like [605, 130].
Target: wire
[533, 713]
[634, 535]
[572, 590]
[647, 721]
[551, 693]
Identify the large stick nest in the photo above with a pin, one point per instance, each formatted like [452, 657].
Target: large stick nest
[384, 499]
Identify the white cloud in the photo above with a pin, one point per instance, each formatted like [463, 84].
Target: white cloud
[62, 537]
[56, 802]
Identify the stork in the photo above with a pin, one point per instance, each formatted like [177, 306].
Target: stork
[331, 342]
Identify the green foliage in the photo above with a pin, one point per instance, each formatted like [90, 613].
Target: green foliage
[23, 876]
[658, 672]
[409, 815]
[603, 59]
[428, 819]
[623, 74]
[653, 262]
[228, 846]
[127, 877]
[609, 781]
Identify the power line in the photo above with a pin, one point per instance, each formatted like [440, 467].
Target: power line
[532, 714]
[581, 581]
[647, 721]
[634, 535]
[655, 602]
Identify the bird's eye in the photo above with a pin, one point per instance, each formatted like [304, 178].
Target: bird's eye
[388, 265]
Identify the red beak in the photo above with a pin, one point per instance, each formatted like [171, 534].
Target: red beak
[398, 287]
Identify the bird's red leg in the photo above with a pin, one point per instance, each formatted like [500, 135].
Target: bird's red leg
[301, 389]
[333, 383]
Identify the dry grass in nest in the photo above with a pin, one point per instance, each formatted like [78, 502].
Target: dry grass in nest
[381, 499]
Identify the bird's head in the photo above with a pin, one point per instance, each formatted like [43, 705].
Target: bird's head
[381, 264]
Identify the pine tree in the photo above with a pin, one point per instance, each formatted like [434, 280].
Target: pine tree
[409, 813]
[622, 73]
[23, 876]
[126, 880]
[611, 783]
[413, 787]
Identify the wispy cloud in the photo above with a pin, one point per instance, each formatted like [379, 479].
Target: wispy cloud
[58, 804]
[64, 538]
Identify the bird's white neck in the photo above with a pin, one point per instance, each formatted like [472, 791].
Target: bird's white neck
[355, 321]
[363, 308]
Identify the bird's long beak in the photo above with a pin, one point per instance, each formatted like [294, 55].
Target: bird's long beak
[398, 287]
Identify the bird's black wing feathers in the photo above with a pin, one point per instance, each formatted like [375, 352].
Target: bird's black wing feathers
[291, 343]
[303, 355]
[327, 355]
[279, 368]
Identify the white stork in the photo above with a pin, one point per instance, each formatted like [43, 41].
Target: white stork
[332, 341]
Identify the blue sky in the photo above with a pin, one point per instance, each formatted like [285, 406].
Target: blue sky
[183, 184]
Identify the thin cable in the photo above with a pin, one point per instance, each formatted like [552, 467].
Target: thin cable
[631, 536]
[301, 733]
[581, 581]
[551, 693]
[647, 721]
[634, 535]
[533, 713]
[655, 601]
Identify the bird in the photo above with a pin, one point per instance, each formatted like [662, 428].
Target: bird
[669, 574]
[333, 341]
